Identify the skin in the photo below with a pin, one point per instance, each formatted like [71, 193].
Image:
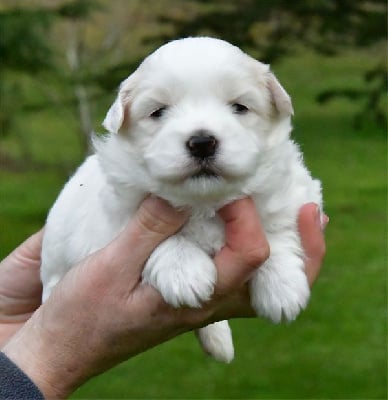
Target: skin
[100, 312]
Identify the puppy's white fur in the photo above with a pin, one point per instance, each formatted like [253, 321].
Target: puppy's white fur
[195, 84]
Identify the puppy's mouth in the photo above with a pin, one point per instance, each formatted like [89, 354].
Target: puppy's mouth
[206, 170]
[205, 173]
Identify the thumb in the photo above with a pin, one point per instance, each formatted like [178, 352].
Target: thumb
[154, 221]
[27, 254]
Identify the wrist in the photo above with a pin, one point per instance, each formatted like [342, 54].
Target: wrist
[39, 356]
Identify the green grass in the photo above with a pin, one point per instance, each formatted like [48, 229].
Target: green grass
[337, 348]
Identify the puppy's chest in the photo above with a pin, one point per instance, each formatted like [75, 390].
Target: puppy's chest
[207, 233]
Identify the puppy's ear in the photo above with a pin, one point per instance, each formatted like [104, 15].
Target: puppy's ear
[279, 97]
[117, 118]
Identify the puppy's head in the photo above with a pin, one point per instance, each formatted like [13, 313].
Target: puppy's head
[197, 115]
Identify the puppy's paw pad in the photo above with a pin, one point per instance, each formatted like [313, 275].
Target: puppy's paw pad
[279, 298]
[184, 280]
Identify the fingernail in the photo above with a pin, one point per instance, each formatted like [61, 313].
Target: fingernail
[322, 220]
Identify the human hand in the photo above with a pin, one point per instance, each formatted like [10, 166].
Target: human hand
[20, 286]
[311, 228]
[101, 314]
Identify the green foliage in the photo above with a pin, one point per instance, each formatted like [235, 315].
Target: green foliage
[27, 50]
[275, 29]
[373, 92]
[78, 9]
[24, 49]
[23, 40]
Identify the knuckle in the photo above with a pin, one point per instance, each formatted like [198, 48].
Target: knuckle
[152, 224]
[156, 217]
[257, 255]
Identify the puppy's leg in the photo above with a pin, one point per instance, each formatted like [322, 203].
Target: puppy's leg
[181, 272]
[279, 289]
[216, 340]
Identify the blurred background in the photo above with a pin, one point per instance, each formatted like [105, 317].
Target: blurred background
[60, 65]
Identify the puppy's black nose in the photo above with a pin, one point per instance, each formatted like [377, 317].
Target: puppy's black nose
[202, 145]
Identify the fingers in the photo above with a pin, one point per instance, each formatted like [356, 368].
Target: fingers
[20, 285]
[28, 253]
[154, 222]
[313, 242]
[246, 246]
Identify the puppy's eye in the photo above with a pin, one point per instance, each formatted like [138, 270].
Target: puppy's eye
[239, 108]
[158, 113]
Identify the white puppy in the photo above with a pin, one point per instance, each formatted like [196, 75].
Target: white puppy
[199, 124]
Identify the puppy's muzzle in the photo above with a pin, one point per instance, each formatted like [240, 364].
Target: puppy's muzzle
[202, 145]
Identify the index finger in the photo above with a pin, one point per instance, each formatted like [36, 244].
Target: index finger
[246, 246]
[313, 241]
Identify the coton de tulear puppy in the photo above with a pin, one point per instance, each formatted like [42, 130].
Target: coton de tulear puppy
[199, 124]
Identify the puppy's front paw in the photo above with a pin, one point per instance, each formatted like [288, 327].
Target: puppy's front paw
[181, 272]
[279, 289]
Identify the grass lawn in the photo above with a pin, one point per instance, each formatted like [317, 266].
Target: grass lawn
[337, 348]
